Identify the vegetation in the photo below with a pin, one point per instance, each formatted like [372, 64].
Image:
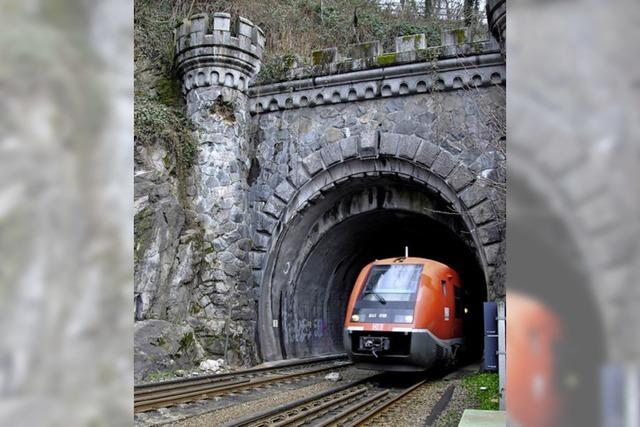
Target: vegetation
[484, 390]
[293, 29]
[159, 376]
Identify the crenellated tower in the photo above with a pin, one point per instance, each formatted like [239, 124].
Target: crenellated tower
[214, 51]
[216, 57]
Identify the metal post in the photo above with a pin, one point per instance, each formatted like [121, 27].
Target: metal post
[502, 351]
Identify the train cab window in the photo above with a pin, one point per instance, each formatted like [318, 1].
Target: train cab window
[458, 304]
[389, 294]
[444, 287]
[392, 283]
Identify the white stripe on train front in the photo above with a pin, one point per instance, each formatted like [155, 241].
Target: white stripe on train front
[402, 329]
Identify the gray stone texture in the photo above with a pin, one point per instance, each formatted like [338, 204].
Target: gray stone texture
[202, 241]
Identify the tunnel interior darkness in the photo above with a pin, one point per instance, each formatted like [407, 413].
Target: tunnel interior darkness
[353, 225]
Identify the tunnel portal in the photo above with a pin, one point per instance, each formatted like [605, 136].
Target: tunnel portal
[324, 247]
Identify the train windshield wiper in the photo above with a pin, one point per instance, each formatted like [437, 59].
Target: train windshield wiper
[378, 296]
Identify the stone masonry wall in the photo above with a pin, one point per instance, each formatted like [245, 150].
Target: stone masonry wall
[200, 241]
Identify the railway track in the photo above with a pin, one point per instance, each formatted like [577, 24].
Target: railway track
[148, 397]
[353, 404]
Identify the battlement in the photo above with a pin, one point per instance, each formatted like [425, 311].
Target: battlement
[454, 43]
[364, 71]
[218, 50]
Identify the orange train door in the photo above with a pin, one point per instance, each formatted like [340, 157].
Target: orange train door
[453, 307]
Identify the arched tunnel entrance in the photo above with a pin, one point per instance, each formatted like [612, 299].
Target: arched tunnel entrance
[319, 253]
[322, 289]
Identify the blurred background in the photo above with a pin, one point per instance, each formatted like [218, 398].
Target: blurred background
[66, 212]
[572, 232]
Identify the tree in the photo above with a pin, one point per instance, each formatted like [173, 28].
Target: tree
[428, 8]
[469, 9]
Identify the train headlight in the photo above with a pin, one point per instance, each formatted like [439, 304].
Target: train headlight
[355, 318]
[408, 319]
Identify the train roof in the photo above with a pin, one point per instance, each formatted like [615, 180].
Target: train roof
[410, 260]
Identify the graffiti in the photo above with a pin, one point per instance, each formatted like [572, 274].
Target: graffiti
[303, 330]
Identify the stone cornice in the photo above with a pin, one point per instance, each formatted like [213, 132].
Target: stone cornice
[448, 73]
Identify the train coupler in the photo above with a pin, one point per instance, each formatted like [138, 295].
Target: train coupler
[374, 344]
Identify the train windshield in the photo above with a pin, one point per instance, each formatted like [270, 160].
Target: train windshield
[396, 282]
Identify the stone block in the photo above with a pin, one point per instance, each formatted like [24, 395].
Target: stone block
[261, 241]
[490, 233]
[456, 36]
[257, 259]
[349, 147]
[222, 21]
[443, 164]
[273, 207]
[411, 43]
[265, 222]
[285, 190]
[331, 154]
[313, 163]
[484, 212]
[389, 143]
[368, 145]
[365, 50]
[427, 153]
[460, 178]
[408, 146]
[325, 56]
[491, 253]
[473, 195]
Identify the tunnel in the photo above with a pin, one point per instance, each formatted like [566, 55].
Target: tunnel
[319, 254]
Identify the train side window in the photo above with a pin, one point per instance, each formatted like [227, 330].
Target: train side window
[458, 304]
[444, 287]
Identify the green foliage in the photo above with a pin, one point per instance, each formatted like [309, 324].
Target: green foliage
[292, 28]
[158, 103]
[158, 376]
[155, 120]
[186, 342]
[159, 342]
[485, 399]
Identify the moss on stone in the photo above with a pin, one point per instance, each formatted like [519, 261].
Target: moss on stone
[386, 59]
[459, 35]
[319, 57]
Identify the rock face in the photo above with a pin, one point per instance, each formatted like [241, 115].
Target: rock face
[161, 346]
[192, 234]
[296, 185]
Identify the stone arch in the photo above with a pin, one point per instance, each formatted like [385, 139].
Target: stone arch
[410, 168]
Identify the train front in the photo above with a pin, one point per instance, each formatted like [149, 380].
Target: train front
[381, 323]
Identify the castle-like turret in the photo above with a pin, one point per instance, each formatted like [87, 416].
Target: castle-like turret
[216, 58]
[214, 51]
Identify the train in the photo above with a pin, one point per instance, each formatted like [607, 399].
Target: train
[405, 314]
